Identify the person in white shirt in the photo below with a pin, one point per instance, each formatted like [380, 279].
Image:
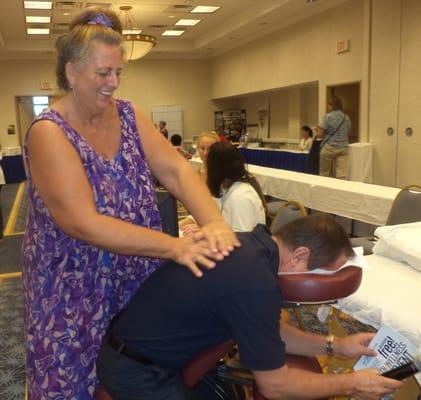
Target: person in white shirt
[237, 193]
[306, 138]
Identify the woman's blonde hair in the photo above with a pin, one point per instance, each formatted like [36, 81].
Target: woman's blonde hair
[210, 135]
[93, 24]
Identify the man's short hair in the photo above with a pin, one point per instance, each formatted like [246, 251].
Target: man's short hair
[176, 139]
[321, 234]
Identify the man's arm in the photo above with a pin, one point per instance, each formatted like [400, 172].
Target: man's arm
[291, 383]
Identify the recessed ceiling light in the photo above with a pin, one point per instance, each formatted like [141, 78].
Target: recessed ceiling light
[171, 16]
[37, 20]
[66, 14]
[38, 31]
[172, 33]
[38, 5]
[133, 31]
[187, 22]
[205, 9]
[311, 1]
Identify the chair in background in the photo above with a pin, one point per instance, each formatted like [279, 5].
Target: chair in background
[405, 208]
[288, 212]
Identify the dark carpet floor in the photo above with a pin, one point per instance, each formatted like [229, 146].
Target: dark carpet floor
[12, 363]
[10, 254]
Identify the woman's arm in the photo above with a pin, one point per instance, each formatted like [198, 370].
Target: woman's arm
[179, 177]
[61, 180]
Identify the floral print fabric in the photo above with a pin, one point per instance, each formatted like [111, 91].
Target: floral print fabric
[73, 289]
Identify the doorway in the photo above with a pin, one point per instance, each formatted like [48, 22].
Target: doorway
[350, 95]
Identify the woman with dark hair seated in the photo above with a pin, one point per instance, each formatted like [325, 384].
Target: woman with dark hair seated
[237, 193]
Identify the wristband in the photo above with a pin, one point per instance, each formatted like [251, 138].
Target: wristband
[329, 344]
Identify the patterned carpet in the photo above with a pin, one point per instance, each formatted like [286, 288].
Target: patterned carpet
[12, 364]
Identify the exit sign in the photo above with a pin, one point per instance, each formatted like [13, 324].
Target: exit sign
[342, 46]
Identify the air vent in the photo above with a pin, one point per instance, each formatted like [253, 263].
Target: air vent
[157, 26]
[67, 5]
[178, 8]
[58, 31]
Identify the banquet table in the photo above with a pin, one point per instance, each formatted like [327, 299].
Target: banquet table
[359, 163]
[355, 200]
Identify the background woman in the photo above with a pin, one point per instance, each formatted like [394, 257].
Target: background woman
[334, 130]
[237, 193]
[205, 140]
[306, 138]
[94, 233]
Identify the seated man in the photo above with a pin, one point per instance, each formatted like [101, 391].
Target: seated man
[175, 315]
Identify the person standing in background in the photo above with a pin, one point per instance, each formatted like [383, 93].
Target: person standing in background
[334, 130]
[163, 128]
[94, 233]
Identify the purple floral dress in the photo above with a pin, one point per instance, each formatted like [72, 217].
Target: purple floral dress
[73, 289]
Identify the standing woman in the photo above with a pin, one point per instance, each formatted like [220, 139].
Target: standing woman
[94, 233]
[334, 130]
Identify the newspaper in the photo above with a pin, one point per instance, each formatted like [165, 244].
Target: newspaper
[393, 350]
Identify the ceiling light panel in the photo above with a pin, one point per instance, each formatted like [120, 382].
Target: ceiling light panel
[37, 20]
[172, 33]
[205, 9]
[132, 31]
[38, 31]
[38, 5]
[187, 22]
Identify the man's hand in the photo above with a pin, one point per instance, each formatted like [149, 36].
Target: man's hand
[354, 345]
[370, 385]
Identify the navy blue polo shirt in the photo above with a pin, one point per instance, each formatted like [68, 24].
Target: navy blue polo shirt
[175, 315]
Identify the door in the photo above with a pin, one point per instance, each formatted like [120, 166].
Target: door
[409, 127]
[384, 89]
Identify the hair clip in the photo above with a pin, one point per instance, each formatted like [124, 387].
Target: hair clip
[101, 19]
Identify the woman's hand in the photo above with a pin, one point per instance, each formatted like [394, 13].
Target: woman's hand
[190, 229]
[355, 345]
[192, 252]
[219, 236]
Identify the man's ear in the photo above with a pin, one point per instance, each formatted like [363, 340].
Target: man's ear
[300, 257]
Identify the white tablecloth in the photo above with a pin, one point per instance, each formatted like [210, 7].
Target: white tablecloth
[390, 293]
[360, 165]
[356, 200]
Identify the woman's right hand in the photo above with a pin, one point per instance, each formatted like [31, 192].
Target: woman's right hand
[194, 253]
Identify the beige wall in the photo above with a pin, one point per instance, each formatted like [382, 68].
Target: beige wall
[303, 52]
[20, 78]
[146, 83]
[183, 82]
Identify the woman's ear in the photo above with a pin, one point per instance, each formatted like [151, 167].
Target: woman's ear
[70, 73]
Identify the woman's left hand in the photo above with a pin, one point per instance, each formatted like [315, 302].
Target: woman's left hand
[220, 237]
[355, 345]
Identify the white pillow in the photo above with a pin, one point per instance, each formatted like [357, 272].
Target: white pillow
[400, 242]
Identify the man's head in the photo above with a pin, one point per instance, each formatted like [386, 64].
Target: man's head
[176, 140]
[312, 242]
[162, 124]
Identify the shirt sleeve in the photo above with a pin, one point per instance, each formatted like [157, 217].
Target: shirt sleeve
[253, 318]
[243, 210]
[324, 123]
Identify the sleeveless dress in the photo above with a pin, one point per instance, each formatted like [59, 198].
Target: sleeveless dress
[73, 289]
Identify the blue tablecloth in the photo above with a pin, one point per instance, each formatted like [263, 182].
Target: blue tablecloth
[13, 169]
[276, 159]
